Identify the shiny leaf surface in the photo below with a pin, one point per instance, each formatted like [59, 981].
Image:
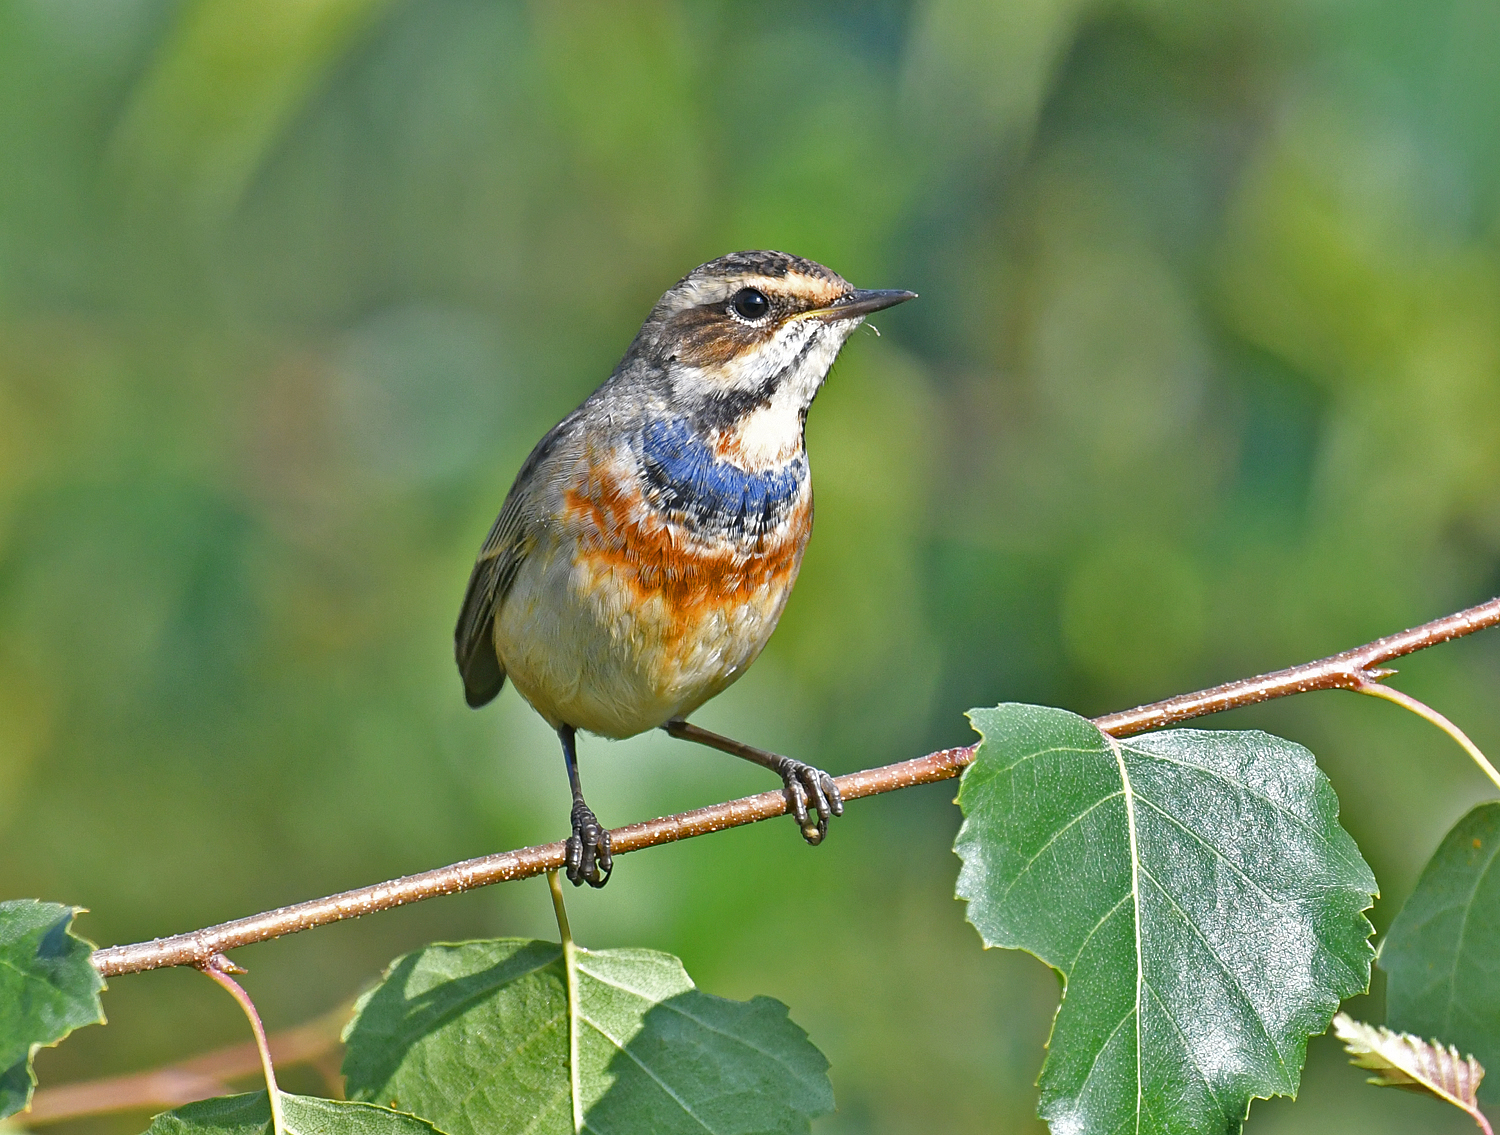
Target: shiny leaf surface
[1196, 893]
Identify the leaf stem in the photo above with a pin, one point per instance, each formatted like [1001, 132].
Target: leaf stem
[570, 969]
[1421, 709]
[1346, 671]
[219, 968]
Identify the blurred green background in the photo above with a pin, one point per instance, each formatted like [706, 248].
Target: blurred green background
[1204, 380]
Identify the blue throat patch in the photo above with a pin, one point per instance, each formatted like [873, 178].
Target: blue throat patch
[683, 474]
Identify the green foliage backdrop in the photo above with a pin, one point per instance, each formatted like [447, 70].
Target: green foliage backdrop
[1204, 379]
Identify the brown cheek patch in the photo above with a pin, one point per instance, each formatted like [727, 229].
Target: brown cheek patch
[707, 338]
[618, 534]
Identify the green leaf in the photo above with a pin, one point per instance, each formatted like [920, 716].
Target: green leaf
[48, 988]
[250, 1114]
[1194, 890]
[1440, 953]
[474, 1037]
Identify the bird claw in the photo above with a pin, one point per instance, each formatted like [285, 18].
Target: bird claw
[587, 851]
[808, 785]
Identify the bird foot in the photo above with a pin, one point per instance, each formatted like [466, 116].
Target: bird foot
[587, 850]
[807, 785]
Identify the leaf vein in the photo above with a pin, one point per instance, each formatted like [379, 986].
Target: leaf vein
[1217, 853]
[598, 1028]
[1135, 894]
[1021, 760]
[542, 1113]
[1187, 1048]
[784, 1062]
[1053, 838]
[1108, 914]
[1328, 950]
[1245, 787]
[1458, 948]
[510, 1058]
[1224, 967]
[1094, 1063]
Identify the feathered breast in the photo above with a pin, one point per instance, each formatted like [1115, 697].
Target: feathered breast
[684, 478]
[675, 522]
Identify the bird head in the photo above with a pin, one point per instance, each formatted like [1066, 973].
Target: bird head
[753, 333]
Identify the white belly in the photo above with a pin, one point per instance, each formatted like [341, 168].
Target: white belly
[587, 649]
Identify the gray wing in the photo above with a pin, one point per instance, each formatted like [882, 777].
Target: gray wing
[494, 572]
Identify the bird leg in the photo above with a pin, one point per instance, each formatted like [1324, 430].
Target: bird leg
[804, 784]
[587, 850]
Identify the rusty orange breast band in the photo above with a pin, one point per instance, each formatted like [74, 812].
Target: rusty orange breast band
[663, 551]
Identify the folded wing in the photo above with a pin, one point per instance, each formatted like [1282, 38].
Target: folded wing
[495, 570]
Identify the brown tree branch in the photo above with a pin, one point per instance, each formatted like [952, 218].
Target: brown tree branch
[199, 1078]
[1347, 671]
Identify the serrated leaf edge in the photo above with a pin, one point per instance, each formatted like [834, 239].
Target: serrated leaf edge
[1401, 1060]
[36, 1046]
[1117, 751]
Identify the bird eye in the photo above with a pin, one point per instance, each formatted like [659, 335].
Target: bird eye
[750, 304]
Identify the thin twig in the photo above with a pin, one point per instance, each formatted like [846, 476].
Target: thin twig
[197, 1078]
[1427, 713]
[219, 968]
[1347, 671]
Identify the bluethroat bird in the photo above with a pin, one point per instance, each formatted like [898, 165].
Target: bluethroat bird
[650, 541]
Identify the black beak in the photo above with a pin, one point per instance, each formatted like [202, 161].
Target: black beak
[862, 302]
